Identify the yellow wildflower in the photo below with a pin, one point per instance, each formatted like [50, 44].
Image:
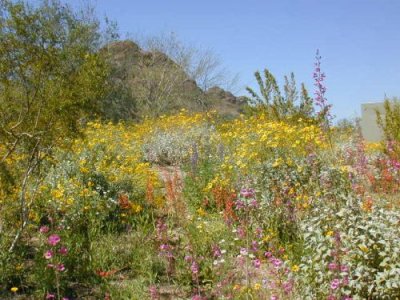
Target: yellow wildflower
[295, 268]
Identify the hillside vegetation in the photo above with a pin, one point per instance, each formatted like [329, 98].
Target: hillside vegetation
[122, 177]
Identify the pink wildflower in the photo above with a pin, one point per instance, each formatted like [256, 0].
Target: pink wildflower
[54, 239]
[257, 263]
[63, 250]
[194, 268]
[335, 284]
[243, 251]
[48, 254]
[247, 193]
[61, 267]
[44, 229]
[276, 262]
[344, 268]
[332, 266]
[153, 292]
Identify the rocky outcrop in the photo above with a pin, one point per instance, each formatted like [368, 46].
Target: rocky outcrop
[129, 62]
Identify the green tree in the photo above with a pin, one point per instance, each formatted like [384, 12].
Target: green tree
[278, 106]
[51, 77]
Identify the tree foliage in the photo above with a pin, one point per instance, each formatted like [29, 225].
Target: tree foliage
[389, 119]
[51, 76]
[277, 105]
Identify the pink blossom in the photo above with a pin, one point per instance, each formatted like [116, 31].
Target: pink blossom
[254, 203]
[48, 254]
[259, 232]
[61, 267]
[254, 245]
[50, 296]
[153, 292]
[287, 286]
[332, 266]
[241, 232]
[344, 268]
[239, 204]
[274, 297]
[194, 268]
[63, 250]
[268, 254]
[164, 247]
[335, 284]
[44, 229]
[216, 251]
[276, 262]
[345, 280]
[257, 263]
[243, 251]
[247, 193]
[54, 239]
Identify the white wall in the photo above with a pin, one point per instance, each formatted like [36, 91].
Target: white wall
[369, 127]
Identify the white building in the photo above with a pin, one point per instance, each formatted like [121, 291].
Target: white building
[369, 126]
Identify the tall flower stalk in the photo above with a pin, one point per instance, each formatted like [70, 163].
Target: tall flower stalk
[324, 114]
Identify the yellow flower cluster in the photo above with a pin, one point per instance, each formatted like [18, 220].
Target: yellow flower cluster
[252, 140]
[116, 152]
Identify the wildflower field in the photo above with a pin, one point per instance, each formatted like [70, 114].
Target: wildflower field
[191, 206]
[127, 172]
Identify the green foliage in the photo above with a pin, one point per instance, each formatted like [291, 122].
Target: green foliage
[362, 245]
[389, 120]
[50, 77]
[276, 105]
[50, 72]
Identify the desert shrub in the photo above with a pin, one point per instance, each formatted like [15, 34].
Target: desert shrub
[351, 252]
[389, 119]
[176, 146]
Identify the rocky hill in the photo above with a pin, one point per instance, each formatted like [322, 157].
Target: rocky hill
[151, 83]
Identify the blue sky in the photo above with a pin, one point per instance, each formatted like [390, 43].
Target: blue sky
[359, 40]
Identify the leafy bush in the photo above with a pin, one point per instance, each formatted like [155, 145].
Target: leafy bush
[351, 251]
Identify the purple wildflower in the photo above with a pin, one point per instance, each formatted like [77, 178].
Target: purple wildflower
[257, 263]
